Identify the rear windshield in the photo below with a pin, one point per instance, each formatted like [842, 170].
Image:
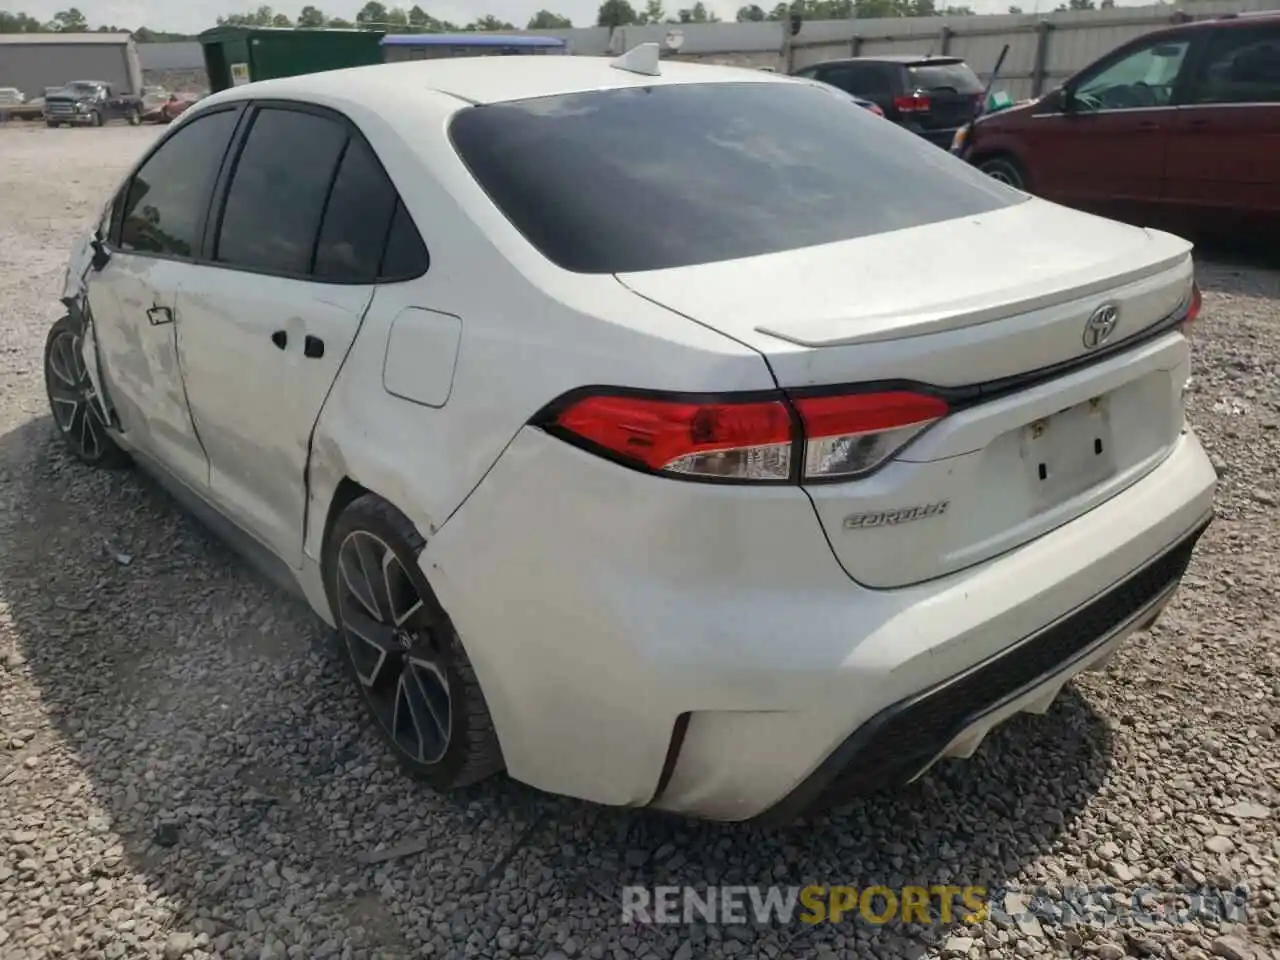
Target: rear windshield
[645, 178]
[944, 76]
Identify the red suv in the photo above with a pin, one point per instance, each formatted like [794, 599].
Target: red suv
[1181, 126]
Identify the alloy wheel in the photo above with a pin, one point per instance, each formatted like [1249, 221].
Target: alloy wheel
[70, 397]
[396, 647]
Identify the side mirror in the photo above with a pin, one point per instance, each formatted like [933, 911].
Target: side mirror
[101, 256]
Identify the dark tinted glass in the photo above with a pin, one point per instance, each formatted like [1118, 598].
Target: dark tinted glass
[356, 219]
[165, 203]
[944, 76]
[860, 79]
[278, 191]
[842, 77]
[645, 178]
[1241, 66]
[406, 255]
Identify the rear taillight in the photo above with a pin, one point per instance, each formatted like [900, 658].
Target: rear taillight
[1193, 307]
[769, 439]
[913, 103]
[849, 435]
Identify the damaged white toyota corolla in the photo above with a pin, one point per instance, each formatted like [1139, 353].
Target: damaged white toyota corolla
[666, 435]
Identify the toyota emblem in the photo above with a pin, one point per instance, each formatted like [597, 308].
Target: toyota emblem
[1100, 325]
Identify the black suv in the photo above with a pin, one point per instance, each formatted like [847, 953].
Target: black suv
[929, 95]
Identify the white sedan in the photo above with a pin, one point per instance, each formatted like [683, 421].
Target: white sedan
[666, 435]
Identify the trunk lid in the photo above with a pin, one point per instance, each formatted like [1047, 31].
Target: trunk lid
[959, 304]
[953, 90]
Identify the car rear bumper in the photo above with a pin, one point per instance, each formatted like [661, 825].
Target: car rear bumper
[903, 740]
[696, 647]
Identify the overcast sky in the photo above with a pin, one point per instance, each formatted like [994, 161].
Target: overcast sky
[192, 16]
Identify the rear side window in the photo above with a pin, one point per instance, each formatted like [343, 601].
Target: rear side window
[1241, 65]
[637, 179]
[943, 76]
[356, 219]
[165, 202]
[405, 256]
[278, 191]
[309, 198]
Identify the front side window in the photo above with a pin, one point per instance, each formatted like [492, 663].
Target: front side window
[1240, 66]
[1142, 78]
[707, 172]
[277, 192]
[166, 200]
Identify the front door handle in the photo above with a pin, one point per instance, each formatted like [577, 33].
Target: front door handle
[1149, 125]
[280, 339]
[313, 347]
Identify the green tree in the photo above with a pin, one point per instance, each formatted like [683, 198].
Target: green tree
[616, 13]
[698, 13]
[372, 16]
[653, 12]
[397, 20]
[337, 23]
[70, 21]
[281, 20]
[546, 20]
[490, 24]
[264, 16]
[1015, 9]
[751, 14]
[311, 18]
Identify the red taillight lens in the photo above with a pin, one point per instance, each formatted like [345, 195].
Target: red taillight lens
[1193, 308]
[915, 103]
[849, 435]
[729, 441]
[839, 436]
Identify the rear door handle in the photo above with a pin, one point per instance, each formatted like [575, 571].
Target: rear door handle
[1148, 125]
[313, 347]
[280, 339]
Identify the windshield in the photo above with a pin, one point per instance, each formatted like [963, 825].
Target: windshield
[672, 175]
[944, 76]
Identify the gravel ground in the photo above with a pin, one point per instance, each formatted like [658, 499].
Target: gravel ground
[183, 773]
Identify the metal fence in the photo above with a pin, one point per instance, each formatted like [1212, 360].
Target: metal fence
[1043, 49]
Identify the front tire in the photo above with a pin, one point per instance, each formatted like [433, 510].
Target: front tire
[402, 652]
[1004, 169]
[71, 399]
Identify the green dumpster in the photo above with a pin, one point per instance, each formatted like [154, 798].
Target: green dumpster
[238, 55]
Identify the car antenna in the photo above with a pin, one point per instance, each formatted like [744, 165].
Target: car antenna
[643, 58]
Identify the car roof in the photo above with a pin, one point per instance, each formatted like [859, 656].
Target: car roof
[484, 79]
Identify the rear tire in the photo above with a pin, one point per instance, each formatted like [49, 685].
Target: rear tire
[71, 399]
[402, 652]
[52, 124]
[1004, 169]
[97, 119]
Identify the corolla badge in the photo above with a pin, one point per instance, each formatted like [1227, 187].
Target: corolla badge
[1100, 325]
